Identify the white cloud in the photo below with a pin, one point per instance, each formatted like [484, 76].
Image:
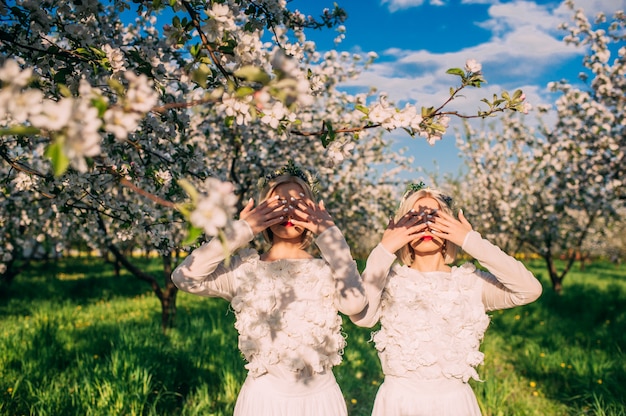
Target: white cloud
[522, 52]
[509, 16]
[593, 7]
[395, 5]
[524, 48]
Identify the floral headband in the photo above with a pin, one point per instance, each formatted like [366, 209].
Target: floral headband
[290, 169]
[414, 187]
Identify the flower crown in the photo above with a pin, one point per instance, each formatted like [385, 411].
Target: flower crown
[414, 187]
[290, 169]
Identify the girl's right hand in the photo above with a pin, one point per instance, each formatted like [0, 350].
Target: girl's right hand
[398, 234]
[270, 212]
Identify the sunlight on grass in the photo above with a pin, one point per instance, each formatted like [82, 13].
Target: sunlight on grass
[83, 341]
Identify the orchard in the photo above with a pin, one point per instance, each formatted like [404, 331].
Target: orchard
[130, 125]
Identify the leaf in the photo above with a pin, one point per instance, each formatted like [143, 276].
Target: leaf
[329, 127]
[193, 233]
[456, 71]
[362, 109]
[427, 111]
[190, 189]
[60, 162]
[19, 131]
[244, 92]
[253, 74]
[116, 86]
[199, 76]
[323, 138]
[64, 91]
[101, 105]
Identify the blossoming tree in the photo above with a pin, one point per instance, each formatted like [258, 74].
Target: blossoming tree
[150, 133]
[557, 189]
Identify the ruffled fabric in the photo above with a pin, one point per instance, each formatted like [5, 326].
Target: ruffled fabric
[286, 316]
[432, 324]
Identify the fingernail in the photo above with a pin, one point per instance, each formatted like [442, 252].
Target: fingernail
[285, 209]
[277, 197]
[284, 201]
[292, 198]
[301, 194]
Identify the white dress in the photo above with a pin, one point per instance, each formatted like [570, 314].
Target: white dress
[432, 325]
[286, 316]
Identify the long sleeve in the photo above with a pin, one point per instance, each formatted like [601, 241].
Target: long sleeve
[203, 272]
[350, 296]
[374, 280]
[509, 283]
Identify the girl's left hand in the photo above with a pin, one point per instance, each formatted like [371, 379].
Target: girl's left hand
[450, 228]
[311, 216]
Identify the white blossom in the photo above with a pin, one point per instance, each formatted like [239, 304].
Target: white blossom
[473, 66]
[54, 115]
[11, 73]
[214, 211]
[115, 57]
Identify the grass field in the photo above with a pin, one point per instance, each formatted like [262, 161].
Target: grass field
[75, 340]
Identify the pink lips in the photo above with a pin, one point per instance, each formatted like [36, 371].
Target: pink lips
[427, 237]
[288, 224]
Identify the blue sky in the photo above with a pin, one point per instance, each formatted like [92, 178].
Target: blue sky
[517, 42]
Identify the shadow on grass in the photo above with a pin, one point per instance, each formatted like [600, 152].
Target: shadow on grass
[196, 355]
[79, 281]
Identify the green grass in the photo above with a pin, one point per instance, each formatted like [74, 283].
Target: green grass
[76, 340]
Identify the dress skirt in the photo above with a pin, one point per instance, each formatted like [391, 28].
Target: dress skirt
[269, 395]
[400, 396]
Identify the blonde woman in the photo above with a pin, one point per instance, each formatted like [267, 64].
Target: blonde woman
[286, 301]
[433, 315]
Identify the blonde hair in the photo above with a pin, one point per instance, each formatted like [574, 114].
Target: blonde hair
[405, 253]
[266, 191]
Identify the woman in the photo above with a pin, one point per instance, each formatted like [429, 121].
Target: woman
[433, 316]
[285, 300]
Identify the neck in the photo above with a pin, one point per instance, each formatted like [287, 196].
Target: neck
[430, 262]
[283, 249]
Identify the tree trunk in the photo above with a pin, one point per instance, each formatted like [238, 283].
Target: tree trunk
[166, 296]
[168, 301]
[555, 278]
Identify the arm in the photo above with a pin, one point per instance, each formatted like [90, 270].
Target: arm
[397, 234]
[203, 273]
[509, 282]
[374, 280]
[350, 296]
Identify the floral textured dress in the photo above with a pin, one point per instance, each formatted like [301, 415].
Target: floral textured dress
[432, 324]
[286, 316]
